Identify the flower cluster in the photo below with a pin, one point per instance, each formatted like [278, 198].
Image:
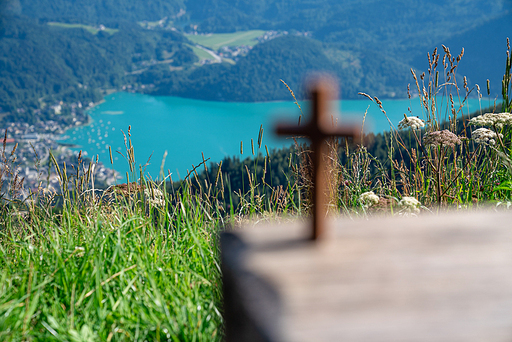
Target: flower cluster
[154, 197]
[485, 136]
[410, 204]
[368, 199]
[444, 137]
[492, 119]
[411, 121]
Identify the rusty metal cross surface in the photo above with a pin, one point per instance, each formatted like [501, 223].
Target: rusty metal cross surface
[322, 89]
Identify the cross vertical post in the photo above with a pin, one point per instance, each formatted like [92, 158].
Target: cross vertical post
[319, 128]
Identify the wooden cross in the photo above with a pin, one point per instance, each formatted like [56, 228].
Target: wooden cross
[321, 90]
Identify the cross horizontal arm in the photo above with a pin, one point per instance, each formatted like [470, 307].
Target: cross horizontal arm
[318, 130]
[310, 130]
[286, 129]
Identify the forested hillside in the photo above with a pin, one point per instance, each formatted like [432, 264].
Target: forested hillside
[394, 31]
[370, 46]
[43, 63]
[389, 25]
[484, 51]
[257, 76]
[40, 63]
[95, 11]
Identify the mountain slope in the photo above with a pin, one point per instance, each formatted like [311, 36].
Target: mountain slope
[370, 46]
[95, 11]
[392, 25]
[39, 61]
[484, 52]
[256, 77]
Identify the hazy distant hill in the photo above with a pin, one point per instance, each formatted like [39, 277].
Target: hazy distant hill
[256, 77]
[484, 52]
[369, 45]
[39, 62]
[95, 11]
[386, 25]
[399, 31]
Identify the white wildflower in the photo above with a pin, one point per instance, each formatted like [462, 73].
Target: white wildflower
[155, 197]
[410, 204]
[504, 204]
[411, 121]
[368, 199]
[485, 136]
[492, 119]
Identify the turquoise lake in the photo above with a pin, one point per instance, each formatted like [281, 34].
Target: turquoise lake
[185, 128]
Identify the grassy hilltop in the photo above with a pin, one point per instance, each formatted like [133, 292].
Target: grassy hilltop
[140, 260]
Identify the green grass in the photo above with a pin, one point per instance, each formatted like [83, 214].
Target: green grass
[115, 276]
[203, 55]
[149, 23]
[122, 265]
[229, 60]
[216, 40]
[140, 264]
[110, 275]
[91, 29]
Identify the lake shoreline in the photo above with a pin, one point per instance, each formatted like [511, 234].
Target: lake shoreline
[186, 128]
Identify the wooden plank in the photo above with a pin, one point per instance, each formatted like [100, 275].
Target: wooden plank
[428, 278]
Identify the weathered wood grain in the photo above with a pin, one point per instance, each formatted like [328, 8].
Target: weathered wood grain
[429, 278]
